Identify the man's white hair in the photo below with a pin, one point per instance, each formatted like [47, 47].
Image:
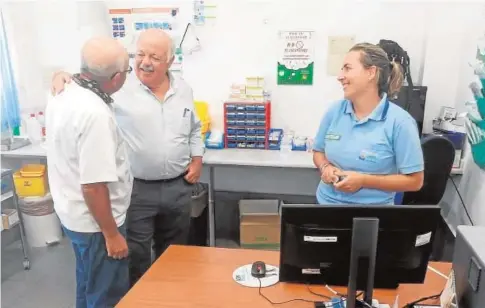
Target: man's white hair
[171, 46]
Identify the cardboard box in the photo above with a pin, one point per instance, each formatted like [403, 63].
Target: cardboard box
[10, 218]
[260, 224]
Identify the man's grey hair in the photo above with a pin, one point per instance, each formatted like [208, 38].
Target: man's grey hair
[101, 72]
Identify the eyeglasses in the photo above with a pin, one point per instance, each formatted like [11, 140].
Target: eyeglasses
[128, 70]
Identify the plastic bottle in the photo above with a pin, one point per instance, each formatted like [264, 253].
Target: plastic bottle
[34, 130]
[41, 119]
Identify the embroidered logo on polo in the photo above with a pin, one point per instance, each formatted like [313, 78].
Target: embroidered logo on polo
[368, 156]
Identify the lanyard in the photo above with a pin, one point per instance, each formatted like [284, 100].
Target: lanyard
[92, 86]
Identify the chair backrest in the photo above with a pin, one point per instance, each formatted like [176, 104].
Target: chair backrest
[439, 154]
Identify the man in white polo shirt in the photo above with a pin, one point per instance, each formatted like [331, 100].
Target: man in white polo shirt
[89, 174]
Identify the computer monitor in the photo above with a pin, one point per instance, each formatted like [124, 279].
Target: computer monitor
[316, 243]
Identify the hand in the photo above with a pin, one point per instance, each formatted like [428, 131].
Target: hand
[352, 182]
[116, 246]
[193, 171]
[328, 175]
[58, 82]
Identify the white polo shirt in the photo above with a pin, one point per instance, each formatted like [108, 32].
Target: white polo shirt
[85, 146]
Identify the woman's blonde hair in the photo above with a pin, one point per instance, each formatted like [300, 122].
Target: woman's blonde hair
[389, 73]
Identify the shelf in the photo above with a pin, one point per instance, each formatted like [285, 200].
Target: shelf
[6, 196]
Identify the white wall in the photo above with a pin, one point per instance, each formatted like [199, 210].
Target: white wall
[240, 43]
[47, 35]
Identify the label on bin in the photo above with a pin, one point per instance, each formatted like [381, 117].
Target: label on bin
[320, 239]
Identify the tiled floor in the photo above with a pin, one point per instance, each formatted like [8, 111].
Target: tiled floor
[49, 283]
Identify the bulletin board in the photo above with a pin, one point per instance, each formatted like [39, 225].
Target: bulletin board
[127, 23]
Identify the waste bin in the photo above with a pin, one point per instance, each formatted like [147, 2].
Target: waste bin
[42, 226]
[198, 226]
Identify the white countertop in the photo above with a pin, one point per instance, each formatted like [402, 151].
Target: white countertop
[224, 157]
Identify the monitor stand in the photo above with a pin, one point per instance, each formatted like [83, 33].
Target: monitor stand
[362, 260]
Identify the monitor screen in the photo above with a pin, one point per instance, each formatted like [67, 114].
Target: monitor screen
[316, 243]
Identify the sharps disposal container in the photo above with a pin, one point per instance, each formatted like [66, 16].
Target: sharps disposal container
[42, 226]
[31, 180]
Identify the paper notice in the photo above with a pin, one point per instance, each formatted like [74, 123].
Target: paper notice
[338, 46]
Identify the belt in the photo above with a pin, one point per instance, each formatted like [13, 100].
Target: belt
[162, 180]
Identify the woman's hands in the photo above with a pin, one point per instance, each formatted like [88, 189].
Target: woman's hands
[328, 173]
[351, 181]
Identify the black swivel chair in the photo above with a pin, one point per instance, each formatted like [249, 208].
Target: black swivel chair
[439, 154]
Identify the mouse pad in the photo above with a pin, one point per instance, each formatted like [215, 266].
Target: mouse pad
[242, 275]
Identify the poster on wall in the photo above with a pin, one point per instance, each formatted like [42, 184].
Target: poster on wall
[296, 60]
[127, 23]
[203, 12]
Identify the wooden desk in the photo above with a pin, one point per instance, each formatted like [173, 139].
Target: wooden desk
[202, 277]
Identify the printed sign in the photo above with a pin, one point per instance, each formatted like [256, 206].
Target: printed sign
[295, 65]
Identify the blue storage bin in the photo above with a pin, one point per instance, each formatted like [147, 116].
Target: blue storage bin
[275, 144]
[231, 122]
[240, 108]
[251, 122]
[260, 145]
[231, 137]
[261, 107]
[260, 123]
[241, 115]
[241, 138]
[231, 131]
[232, 145]
[251, 108]
[261, 115]
[210, 145]
[251, 138]
[231, 115]
[260, 132]
[241, 131]
[251, 115]
[240, 122]
[251, 131]
[230, 107]
[298, 147]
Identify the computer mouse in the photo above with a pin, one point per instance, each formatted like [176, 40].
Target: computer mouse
[258, 269]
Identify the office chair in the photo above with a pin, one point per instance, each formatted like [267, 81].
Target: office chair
[439, 154]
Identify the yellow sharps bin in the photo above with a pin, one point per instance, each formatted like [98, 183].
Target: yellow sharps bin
[31, 181]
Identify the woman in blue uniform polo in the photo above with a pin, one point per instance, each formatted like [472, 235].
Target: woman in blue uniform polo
[367, 148]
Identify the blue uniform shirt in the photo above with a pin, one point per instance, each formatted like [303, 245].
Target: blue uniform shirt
[385, 142]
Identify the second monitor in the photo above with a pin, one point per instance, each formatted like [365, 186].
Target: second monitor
[316, 243]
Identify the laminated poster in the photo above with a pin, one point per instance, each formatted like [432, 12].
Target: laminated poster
[296, 59]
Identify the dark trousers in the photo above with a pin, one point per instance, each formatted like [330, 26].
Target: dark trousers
[159, 211]
[101, 281]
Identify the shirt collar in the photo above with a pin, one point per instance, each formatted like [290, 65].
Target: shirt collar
[378, 114]
[171, 78]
